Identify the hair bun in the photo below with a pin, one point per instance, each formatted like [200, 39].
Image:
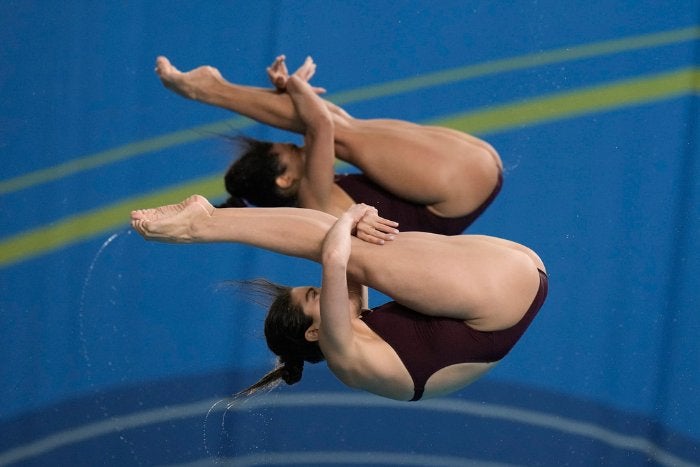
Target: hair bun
[291, 370]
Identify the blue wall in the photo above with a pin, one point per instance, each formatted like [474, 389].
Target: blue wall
[118, 352]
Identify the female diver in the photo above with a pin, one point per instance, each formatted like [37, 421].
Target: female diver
[460, 302]
[429, 178]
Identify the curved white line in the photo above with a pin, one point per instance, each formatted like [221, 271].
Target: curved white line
[341, 399]
[343, 457]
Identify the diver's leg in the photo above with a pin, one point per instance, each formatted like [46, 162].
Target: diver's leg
[448, 170]
[205, 84]
[487, 282]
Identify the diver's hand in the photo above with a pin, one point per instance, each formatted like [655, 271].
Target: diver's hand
[279, 75]
[370, 227]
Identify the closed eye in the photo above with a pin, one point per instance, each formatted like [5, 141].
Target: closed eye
[309, 294]
[314, 293]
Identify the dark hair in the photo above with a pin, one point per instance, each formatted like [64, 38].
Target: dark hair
[251, 179]
[285, 329]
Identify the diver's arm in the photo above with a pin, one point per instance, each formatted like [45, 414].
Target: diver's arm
[318, 180]
[337, 337]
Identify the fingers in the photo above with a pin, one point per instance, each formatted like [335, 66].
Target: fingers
[372, 228]
[278, 63]
[377, 234]
[279, 76]
[379, 224]
[365, 212]
[387, 224]
[279, 66]
[278, 73]
[279, 81]
[370, 238]
[307, 70]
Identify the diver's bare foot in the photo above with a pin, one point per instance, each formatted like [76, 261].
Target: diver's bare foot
[174, 223]
[192, 84]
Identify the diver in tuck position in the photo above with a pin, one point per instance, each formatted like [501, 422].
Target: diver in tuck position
[460, 303]
[428, 178]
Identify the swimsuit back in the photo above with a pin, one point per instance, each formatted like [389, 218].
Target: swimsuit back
[426, 344]
[410, 216]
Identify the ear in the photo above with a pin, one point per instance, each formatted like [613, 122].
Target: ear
[311, 334]
[284, 181]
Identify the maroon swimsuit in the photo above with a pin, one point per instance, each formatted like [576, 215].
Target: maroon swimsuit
[410, 216]
[426, 344]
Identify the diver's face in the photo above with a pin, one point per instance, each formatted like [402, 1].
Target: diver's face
[309, 299]
[291, 157]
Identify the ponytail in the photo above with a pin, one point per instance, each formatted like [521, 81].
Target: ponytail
[285, 329]
[288, 371]
[291, 370]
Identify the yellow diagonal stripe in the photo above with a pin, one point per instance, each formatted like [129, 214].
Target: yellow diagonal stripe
[90, 224]
[122, 152]
[501, 118]
[548, 57]
[572, 104]
[365, 93]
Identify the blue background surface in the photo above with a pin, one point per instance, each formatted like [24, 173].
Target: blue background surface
[115, 351]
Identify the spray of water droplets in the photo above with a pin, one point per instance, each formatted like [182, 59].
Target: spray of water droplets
[82, 330]
[86, 283]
